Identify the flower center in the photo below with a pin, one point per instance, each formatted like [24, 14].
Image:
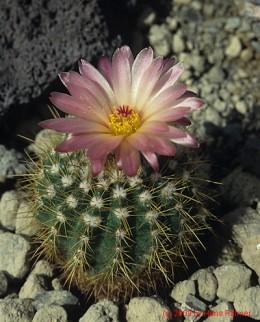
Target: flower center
[124, 120]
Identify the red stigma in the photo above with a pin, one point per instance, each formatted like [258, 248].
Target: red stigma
[124, 111]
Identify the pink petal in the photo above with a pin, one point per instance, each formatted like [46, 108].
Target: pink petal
[169, 78]
[162, 146]
[154, 127]
[163, 100]
[129, 158]
[82, 141]
[147, 83]
[128, 54]
[102, 148]
[97, 166]
[168, 63]
[74, 125]
[105, 67]
[192, 102]
[86, 87]
[152, 160]
[172, 114]
[121, 77]
[91, 73]
[140, 64]
[75, 106]
[182, 138]
[139, 141]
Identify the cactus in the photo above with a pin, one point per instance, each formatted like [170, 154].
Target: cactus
[114, 235]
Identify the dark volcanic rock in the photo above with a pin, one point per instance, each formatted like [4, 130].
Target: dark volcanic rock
[39, 39]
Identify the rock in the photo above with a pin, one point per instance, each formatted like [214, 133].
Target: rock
[31, 53]
[51, 313]
[42, 267]
[247, 54]
[56, 284]
[102, 311]
[10, 163]
[182, 289]
[14, 261]
[34, 285]
[215, 74]
[194, 308]
[241, 107]
[212, 116]
[198, 63]
[16, 310]
[178, 44]
[244, 224]
[63, 298]
[159, 38]
[9, 205]
[251, 254]
[222, 312]
[207, 284]
[3, 284]
[248, 302]
[140, 309]
[232, 278]
[232, 23]
[234, 47]
[24, 223]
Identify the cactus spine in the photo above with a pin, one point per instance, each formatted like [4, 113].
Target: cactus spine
[115, 235]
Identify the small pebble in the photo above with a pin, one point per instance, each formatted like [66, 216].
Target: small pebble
[249, 302]
[182, 289]
[251, 254]
[102, 311]
[147, 309]
[232, 278]
[51, 313]
[234, 47]
[16, 310]
[62, 298]
[207, 284]
[14, 261]
[222, 312]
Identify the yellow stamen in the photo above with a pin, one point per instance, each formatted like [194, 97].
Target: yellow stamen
[124, 120]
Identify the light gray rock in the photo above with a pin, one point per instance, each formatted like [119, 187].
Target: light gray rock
[232, 278]
[178, 44]
[56, 284]
[215, 74]
[232, 23]
[34, 285]
[144, 308]
[247, 54]
[234, 47]
[24, 220]
[42, 267]
[194, 307]
[207, 284]
[212, 116]
[249, 302]
[251, 254]
[10, 163]
[16, 310]
[241, 107]
[14, 261]
[3, 284]
[222, 312]
[159, 38]
[62, 298]
[244, 224]
[9, 205]
[102, 311]
[182, 289]
[51, 313]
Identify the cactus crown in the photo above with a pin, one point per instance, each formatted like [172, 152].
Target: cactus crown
[116, 235]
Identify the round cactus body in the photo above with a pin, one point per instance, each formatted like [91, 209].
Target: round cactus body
[116, 235]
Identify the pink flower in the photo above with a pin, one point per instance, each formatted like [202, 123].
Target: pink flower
[127, 106]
